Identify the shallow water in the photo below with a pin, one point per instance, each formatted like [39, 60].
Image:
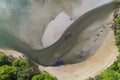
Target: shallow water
[56, 27]
[22, 24]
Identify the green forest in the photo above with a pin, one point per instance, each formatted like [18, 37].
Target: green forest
[20, 69]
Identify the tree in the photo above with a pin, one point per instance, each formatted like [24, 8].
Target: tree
[114, 66]
[110, 75]
[8, 72]
[118, 19]
[25, 73]
[37, 77]
[20, 63]
[3, 59]
[44, 76]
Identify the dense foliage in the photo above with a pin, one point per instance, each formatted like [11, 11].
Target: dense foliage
[8, 72]
[118, 19]
[118, 32]
[45, 76]
[20, 63]
[25, 73]
[20, 69]
[3, 59]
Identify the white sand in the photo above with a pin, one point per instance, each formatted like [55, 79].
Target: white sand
[55, 29]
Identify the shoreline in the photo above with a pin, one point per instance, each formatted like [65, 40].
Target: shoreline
[56, 28]
[15, 54]
[80, 70]
[103, 58]
[92, 66]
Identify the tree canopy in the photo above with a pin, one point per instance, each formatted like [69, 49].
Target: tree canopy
[20, 63]
[3, 59]
[20, 69]
[45, 76]
[8, 72]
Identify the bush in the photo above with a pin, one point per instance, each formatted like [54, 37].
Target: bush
[110, 75]
[3, 59]
[44, 76]
[20, 70]
[8, 72]
[25, 73]
[118, 19]
[20, 63]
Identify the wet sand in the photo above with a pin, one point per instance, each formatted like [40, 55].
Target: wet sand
[92, 66]
[55, 29]
[22, 32]
[10, 52]
[103, 58]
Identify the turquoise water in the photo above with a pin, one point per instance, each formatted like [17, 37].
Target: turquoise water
[18, 29]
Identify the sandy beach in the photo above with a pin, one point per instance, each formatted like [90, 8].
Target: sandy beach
[56, 27]
[91, 48]
[103, 58]
[12, 52]
[92, 66]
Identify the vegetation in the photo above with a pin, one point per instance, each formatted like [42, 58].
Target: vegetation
[45, 76]
[3, 59]
[118, 32]
[8, 72]
[20, 69]
[20, 63]
[118, 19]
[25, 73]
